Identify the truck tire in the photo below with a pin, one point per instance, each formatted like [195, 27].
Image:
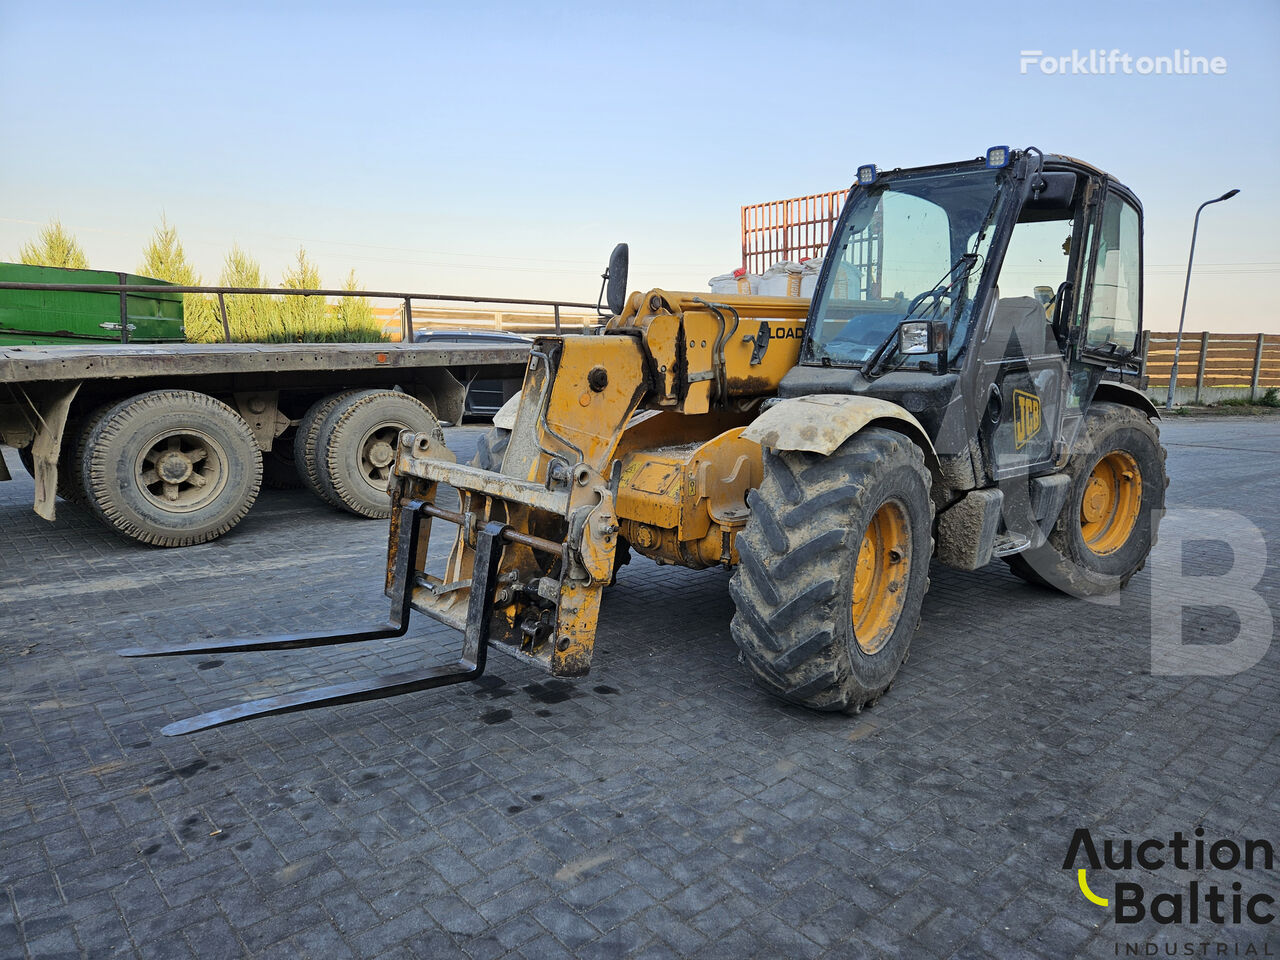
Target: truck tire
[357, 446]
[1112, 514]
[305, 454]
[75, 455]
[171, 468]
[834, 568]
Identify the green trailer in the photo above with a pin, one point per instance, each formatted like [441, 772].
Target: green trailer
[57, 316]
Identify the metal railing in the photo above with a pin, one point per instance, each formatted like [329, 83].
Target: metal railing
[406, 299]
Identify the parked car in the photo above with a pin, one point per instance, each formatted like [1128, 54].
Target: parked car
[485, 397]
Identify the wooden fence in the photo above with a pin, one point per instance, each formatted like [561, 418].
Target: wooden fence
[1212, 365]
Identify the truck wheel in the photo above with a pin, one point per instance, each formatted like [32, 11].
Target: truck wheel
[1116, 499]
[305, 453]
[75, 452]
[357, 445]
[834, 568]
[171, 468]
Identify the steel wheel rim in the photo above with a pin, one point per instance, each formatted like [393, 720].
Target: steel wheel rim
[378, 454]
[880, 577]
[1111, 503]
[181, 470]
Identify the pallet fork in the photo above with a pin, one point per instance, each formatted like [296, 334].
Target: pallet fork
[491, 538]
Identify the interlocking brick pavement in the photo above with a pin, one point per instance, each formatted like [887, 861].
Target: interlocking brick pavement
[663, 807]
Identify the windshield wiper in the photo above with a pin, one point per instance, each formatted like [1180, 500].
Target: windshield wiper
[936, 293]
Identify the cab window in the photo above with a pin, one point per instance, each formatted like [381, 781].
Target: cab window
[1112, 319]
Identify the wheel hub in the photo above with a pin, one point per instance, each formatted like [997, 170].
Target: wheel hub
[181, 471]
[1111, 503]
[1096, 495]
[381, 453]
[378, 453]
[173, 467]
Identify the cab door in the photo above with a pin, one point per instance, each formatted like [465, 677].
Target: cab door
[1023, 375]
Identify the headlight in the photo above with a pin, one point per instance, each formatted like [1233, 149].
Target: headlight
[922, 336]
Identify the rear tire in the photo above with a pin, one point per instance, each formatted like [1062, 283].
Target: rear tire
[357, 446]
[834, 568]
[171, 468]
[305, 453]
[1095, 548]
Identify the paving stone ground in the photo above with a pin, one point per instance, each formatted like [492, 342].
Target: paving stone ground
[663, 807]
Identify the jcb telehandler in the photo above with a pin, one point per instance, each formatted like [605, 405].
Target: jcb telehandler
[959, 386]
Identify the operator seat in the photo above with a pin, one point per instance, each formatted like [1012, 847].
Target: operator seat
[1019, 329]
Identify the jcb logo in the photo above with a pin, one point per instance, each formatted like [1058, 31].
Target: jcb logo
[1026, 418]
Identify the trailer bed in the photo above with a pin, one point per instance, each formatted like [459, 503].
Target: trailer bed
[41, 364]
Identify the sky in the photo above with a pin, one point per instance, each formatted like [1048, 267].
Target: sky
[501, 149]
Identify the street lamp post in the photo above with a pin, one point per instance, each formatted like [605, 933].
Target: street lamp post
[1177, 346]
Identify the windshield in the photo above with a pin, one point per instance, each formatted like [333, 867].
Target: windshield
[915, 246]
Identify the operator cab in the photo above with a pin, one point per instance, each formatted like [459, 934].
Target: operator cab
[988, 297]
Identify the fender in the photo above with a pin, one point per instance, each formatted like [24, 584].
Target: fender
[819, 423]
[40, 419]
[1113, 392]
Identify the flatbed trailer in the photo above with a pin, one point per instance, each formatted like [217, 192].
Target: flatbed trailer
[169, 444]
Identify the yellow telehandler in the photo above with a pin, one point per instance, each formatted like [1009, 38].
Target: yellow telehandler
[961, 386]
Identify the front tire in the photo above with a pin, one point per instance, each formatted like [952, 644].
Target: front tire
[171, 468]
[834, 568]
[1111, 518]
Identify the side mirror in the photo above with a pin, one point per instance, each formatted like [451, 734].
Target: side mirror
[916, 337]
[615, 278]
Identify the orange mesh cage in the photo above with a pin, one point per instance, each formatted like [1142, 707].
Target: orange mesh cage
[793, 229]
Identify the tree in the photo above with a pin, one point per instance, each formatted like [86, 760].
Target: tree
[303, 318]
[354, 315]
[253, 317]
[54, 247]
[165, 259]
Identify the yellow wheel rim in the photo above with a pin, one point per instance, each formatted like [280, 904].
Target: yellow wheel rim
[880, 578]
[1112, 499]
